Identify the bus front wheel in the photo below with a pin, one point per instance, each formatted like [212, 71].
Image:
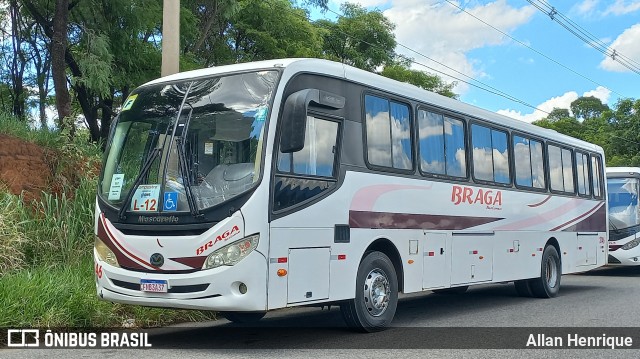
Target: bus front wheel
[548, 285]
[376, 296]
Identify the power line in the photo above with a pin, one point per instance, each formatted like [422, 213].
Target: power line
[482, 85]
[584, 35]
[532, 49]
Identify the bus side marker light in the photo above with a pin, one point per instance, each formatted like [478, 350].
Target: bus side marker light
[342, 257]
[282, 272]
[410, 261]
[539, 249]
[533, 254]
[481, 257]
[431, 254]
[282, 260]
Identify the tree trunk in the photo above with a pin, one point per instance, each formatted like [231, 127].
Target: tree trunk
[18, 63]
[58, 65]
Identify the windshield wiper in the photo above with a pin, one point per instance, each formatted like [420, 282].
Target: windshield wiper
[184, 167]
[143, 172]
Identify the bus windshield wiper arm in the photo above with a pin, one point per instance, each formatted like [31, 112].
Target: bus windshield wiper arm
[145, 168]
[184, 167]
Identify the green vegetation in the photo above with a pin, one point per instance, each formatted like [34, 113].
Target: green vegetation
[46, 247]
[617, 130]
[103, 63]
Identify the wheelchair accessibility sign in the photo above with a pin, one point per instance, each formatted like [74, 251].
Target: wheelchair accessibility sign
[170, 202]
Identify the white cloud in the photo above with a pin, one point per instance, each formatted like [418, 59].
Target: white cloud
[563, 101]
[627, 44]
[622, 7]
[586, 7]
[601, 93]
[445, 34]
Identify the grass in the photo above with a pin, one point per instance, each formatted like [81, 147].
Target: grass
[65, 296]
[10, 125]
[46, 264]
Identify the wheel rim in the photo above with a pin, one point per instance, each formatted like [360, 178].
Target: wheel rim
[551, 272]
[377, 292]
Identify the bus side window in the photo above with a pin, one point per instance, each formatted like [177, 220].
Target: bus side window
[596, 176]
[561, 173]
[305, 174]
[490, 154]
[388, 133]
[442, 147]
[582, 166]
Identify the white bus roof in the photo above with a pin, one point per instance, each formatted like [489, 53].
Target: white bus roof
[337, 69]
[623, 170]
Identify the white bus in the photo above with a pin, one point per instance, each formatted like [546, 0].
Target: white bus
[257, 186]
[624, 215]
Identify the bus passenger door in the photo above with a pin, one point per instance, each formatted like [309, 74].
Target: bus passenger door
[471, 257]
[435, 261]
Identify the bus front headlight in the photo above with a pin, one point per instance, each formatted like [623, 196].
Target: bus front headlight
[232, 253]
[105, 254]
[634, 243]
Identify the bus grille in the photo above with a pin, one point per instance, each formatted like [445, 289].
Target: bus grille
[174, 289]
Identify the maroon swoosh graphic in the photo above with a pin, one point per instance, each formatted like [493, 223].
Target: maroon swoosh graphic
[367, 219]
[123, 260]
[193, 262]
[614, 247]
[121, 248]
[540, 203]
[586, 227]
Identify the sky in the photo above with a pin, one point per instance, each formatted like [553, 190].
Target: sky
[539, 63]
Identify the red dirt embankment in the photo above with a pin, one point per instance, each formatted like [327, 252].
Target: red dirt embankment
[24, 166]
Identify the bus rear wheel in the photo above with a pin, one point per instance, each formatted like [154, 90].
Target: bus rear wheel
[376, 297]
[548, 285]
[243, 317]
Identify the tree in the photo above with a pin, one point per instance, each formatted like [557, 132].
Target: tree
[58, 63]
[589, 107]
[418, 78]
[271, 29]
[360, 38]
[561, 121]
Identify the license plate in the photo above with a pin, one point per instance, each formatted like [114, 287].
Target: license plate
[154, 285]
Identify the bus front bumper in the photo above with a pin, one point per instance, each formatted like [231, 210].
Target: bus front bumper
[213, 289]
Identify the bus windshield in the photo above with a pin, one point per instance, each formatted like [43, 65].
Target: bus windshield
[187, 146]
[623, 202]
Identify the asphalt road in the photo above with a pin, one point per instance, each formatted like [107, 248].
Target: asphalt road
[487, 316]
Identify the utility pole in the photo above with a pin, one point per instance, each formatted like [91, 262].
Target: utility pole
[170, 37]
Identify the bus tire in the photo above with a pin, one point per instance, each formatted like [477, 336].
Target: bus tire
[454, 290]
[548, 285]
[376, 297]
[243, 317]
[523, 288]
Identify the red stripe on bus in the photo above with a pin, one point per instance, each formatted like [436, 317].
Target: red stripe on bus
[579, 217]
[387, 220]
[540, 203]
[121, 247]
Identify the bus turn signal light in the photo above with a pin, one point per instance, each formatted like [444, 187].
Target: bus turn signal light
[282, 272]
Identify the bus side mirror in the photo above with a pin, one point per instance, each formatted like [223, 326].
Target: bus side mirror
[294, 116]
